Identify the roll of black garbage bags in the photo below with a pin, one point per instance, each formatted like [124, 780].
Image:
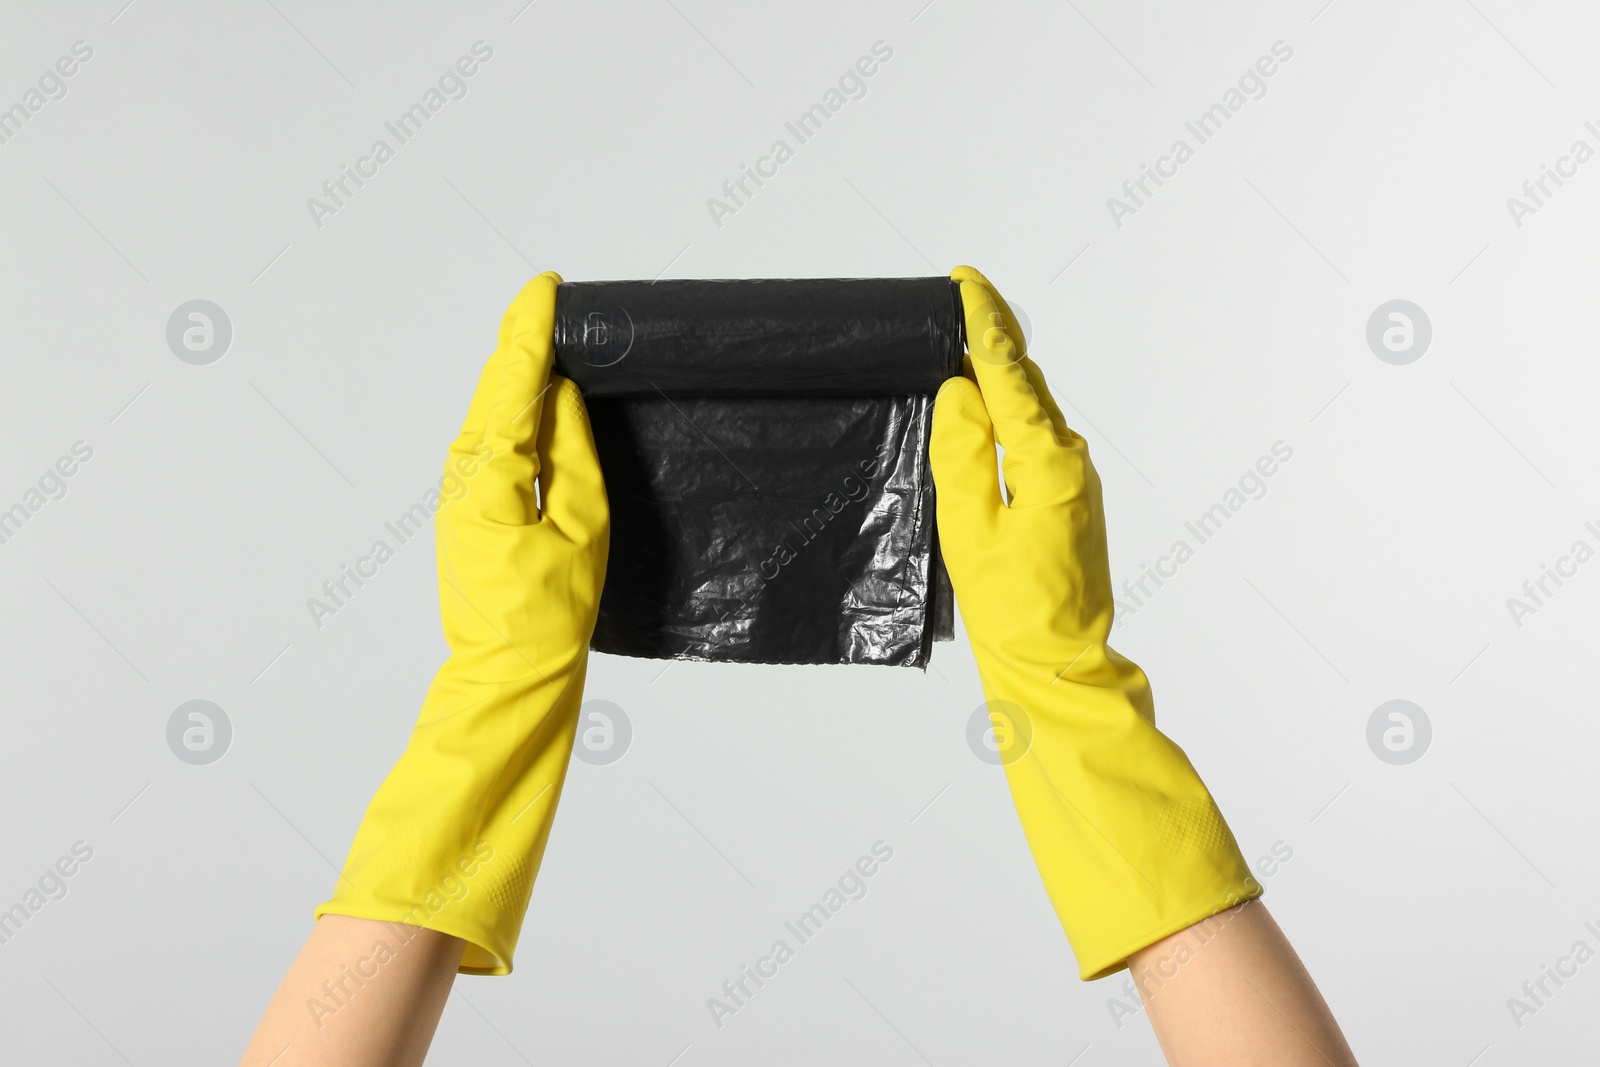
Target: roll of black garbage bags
[765, 451]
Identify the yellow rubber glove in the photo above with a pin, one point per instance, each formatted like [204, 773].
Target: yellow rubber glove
[1129, 843]
[453, 838]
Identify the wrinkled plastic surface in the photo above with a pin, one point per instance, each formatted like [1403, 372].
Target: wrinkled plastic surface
[765, 451]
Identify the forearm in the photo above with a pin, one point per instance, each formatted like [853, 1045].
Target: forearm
[1232, 990]
[360, 994]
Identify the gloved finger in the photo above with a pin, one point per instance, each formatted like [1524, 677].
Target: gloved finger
[961, 452]
[1058, 422]
[570, 482]
[965, 273]
[489, 378]
[511, 429]
[525, 363]
[1021, 424]
[1014, 331]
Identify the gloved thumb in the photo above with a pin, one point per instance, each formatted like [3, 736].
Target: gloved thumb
[962, 451]
[571, 488]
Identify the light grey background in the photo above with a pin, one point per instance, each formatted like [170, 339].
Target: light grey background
[1228, 313]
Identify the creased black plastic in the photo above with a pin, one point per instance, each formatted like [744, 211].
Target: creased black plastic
[765, 451]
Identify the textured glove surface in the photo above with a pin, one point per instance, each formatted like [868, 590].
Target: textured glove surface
[454, 836]
[1129, 843]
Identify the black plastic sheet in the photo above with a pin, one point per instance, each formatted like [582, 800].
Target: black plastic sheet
[765, 451]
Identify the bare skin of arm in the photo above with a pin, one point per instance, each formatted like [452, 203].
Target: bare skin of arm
[1228, 990]
[1231, 990]
[360, 994]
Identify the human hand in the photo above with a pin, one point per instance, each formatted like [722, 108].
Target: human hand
[1126, 836]
[453, 838]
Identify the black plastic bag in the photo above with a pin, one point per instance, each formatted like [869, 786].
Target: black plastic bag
[765, 451]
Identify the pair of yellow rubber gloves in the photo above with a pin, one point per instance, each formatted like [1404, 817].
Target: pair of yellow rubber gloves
[1129, 843]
